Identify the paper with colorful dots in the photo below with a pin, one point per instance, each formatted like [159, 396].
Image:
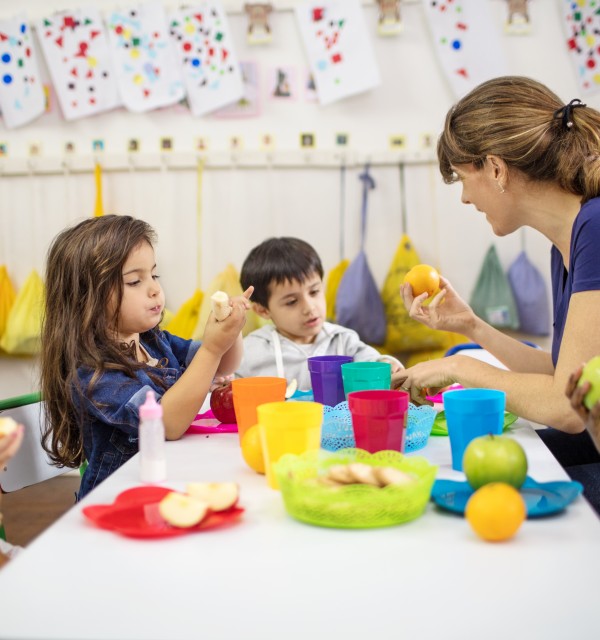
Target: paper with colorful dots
[144, 60]
[75, 47]
[339, 50]
[467, 41]
[21, 91]
[582, 29]
[204, 46]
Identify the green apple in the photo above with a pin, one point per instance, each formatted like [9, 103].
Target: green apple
[591, 374]
[494, 459]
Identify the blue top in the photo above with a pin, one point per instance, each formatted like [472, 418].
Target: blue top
[111, 409]
[584, 268]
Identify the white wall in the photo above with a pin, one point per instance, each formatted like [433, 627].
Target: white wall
[241, 206]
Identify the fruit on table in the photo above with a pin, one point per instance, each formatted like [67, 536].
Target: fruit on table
[495, 459]
[219, 495]
[252, 449]
[221, 404]
[423, 278]
[7, 426]
[496, 511]
[181, 510]
[591, 374]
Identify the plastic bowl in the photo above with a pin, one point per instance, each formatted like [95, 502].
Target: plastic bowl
[418, 427]
[337, 432]
[355, 506]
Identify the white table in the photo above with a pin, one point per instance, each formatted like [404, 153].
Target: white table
[271, 577]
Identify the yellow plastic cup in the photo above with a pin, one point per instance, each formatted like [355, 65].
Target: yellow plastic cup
[248, 393]
[288, 427]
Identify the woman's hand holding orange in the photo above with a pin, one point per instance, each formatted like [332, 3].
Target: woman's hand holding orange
[446, 312]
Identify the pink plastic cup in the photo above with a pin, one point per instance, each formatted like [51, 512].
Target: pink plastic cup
[379, 419]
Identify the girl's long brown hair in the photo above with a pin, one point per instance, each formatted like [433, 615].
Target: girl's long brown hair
[83, 273]
[516, 119]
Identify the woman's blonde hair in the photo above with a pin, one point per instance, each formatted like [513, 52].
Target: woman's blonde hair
[521, 121]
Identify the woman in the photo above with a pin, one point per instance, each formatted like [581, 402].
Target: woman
[525, 158]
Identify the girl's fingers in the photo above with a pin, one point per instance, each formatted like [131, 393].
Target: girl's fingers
[249, 291]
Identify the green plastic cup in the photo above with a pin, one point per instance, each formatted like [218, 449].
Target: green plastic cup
[364, 376]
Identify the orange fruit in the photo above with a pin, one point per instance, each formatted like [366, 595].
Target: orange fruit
[423, 278]
[496, 511]
[252, 449]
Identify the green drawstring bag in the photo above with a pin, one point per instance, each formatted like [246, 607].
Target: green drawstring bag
[493, 299]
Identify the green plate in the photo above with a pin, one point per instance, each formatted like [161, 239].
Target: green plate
[440, 427]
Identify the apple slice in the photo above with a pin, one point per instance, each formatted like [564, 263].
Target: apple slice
[219, 495]
[7, 426]
[181, 510]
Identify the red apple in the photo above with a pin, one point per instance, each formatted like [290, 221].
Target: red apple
[495, 459]
[221, 404]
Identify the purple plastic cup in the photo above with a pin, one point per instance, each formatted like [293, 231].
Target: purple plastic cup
[326, 378]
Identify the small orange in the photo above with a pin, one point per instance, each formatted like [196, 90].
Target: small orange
[252, 449]
[496, 511]
[423, 278]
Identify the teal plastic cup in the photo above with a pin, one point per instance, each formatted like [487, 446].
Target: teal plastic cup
[471, 413]
[365, 376]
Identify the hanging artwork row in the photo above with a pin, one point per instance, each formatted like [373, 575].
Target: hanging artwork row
[144, 56]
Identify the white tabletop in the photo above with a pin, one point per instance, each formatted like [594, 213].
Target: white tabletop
[271, 577]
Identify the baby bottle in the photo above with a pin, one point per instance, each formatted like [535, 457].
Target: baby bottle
[153, 466]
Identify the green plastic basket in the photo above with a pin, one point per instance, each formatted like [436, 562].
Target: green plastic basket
[355, 506]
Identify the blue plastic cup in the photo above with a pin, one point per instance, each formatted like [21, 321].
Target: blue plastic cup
[326, 378]
[471, 413]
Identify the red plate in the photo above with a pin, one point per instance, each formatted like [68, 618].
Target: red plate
[134, 513]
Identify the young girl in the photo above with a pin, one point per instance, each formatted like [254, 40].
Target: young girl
[102, 349]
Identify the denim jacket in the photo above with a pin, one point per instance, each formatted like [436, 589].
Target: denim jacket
[110, 431]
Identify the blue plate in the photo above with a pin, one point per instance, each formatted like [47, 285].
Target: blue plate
[541, 498]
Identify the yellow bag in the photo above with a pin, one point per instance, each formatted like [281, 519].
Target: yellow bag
[334, 277]
[404, 333]
[229, 282]
[7, 298]
[23, 328]
[185, 320]
[98, 206]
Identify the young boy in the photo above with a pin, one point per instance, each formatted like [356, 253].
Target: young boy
[287, 276]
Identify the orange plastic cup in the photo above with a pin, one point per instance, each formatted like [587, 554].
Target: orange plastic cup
[248, 393]
[288, 427]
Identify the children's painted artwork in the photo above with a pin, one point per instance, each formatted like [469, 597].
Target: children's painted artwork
[144, 61]
[75, 47]
[517, 21]
[259, 29]
[310, 88]
[339, 51]
[582, 26]
[21, 92]
[389, 22]
[204, 46]
[282, 84]
[467, 42]
[249, 104]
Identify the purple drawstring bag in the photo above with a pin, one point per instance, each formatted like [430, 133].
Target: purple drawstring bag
[531, 296]
[358, 303]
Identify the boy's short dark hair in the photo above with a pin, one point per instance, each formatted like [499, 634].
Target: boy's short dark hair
[278, 260]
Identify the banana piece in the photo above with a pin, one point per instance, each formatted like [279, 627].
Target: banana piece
[220, 305]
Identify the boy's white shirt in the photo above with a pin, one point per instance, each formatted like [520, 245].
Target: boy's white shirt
[261, 349]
